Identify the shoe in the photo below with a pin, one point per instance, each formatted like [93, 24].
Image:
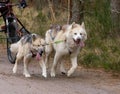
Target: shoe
[3, 27]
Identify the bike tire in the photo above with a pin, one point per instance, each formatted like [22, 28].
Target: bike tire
[10, 55]
[11, 38]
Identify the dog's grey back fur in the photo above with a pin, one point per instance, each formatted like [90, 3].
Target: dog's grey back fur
[26, 39]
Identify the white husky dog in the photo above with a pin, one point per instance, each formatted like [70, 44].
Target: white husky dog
[28, 48]
[68, 41]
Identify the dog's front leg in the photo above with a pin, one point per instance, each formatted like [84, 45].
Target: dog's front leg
[47, 59]
[48, 50]
[74, 66]
[26, 62]
[62, 68]
[43, 66]
[15, 66]
[56, 58]
[18, 58]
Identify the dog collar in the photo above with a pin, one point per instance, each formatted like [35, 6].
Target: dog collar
[33, 54]
[51, 35]
[70, 52]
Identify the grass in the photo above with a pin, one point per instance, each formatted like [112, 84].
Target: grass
[103, 46]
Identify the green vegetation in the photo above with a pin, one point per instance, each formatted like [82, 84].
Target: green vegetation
[103, 44]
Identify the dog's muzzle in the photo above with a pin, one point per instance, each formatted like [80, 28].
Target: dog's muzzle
[39, 54]
[79, 42]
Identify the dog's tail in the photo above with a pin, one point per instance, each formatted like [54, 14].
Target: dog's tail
[14, 47]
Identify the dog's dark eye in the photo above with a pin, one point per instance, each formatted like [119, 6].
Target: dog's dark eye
[38, 45]
[75, 33]
[80, 33]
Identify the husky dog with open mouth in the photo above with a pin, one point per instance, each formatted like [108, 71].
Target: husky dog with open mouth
[29, 47]
[68, 41]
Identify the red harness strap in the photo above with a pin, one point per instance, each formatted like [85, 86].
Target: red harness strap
[33, 54]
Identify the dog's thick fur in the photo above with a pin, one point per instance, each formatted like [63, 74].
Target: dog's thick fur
[26, 49]
[72, 39]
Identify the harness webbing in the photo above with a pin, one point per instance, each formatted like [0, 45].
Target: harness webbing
[55, 42]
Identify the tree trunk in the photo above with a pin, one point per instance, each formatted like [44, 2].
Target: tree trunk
[115, 14]
[76, 14]
[52, 11]
[68, 20]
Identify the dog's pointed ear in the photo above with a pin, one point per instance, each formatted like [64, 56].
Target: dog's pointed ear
[34, 37]
[74, 25]
[83, 25]
[71, 26]
[64, 27]
[51, 26]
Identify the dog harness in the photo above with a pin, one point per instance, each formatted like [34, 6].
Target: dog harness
[70, 52]
[51, 35]
[33, 54]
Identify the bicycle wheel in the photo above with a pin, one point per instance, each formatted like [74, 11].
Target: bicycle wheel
[12, 37]
[11, 56]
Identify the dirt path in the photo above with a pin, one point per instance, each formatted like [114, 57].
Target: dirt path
[84, 81]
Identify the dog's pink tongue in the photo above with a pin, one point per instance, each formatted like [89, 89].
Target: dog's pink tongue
[82, 44]
[38, 56]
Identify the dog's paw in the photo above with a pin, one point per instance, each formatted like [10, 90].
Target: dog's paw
[68, 74]
[52, 74]
[62, 70]
[14, 70]
[63, 73]
[27, 75]
[44, 75]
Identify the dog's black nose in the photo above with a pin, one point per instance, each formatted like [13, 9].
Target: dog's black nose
[41, 52]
